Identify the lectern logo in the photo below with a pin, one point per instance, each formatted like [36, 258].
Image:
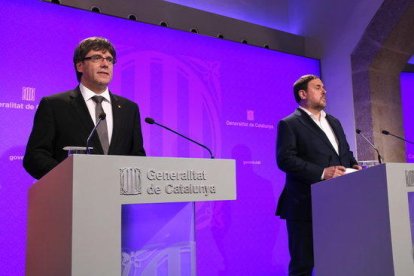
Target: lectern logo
[409, 178]
[130, 181]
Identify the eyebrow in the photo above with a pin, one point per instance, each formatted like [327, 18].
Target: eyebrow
[102, 55]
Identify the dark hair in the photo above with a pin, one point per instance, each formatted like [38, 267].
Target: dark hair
[302, 84]
[88, 44]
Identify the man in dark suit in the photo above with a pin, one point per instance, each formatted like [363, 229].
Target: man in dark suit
[311, 147]
[66, 119]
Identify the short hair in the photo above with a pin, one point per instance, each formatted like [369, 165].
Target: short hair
[91, 43]
[302, 84]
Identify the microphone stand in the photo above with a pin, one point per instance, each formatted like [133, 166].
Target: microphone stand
[101, 117]
[385, 132]
[372, 145]
[152, 121]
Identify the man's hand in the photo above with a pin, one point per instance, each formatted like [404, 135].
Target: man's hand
[333, 171]
[357, 167]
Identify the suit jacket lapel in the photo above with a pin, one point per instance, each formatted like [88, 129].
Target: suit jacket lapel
[336, 129]
[117, 121]
[306, 120]
[82, 114]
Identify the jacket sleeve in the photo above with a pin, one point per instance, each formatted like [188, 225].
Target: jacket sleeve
[138, 142]
[38, 159]
[289, 158]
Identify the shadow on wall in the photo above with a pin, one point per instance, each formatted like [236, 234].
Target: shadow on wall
[245, 230]
[14, 187]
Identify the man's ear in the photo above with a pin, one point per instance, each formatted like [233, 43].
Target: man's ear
[302, 94]
[79, 67]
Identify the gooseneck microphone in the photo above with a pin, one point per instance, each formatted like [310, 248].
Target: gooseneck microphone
[385, 132]
[151, 121]
[101, 117]
[358, 131]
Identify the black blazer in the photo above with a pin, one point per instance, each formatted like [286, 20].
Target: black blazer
[303, 151]
[64, 120]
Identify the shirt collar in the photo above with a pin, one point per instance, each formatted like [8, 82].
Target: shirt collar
[323, 113]
[87, 94]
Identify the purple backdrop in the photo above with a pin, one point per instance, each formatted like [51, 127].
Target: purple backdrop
[226, 95]
[407, 101]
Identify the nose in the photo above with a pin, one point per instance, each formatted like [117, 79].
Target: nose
[104, 63]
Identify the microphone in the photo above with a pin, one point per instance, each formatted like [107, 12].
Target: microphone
[151, 121]
[358, 131]
[385, 132]
[101, 117]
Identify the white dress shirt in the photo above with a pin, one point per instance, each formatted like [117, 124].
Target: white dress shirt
[326, 128]
[87, 95]
[324, 125]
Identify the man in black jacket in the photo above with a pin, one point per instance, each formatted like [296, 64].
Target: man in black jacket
[311, 147]
[66, 119]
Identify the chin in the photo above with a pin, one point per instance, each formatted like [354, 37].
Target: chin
[105, 82]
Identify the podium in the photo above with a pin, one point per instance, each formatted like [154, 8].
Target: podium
[74, 224]
[363, 222]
